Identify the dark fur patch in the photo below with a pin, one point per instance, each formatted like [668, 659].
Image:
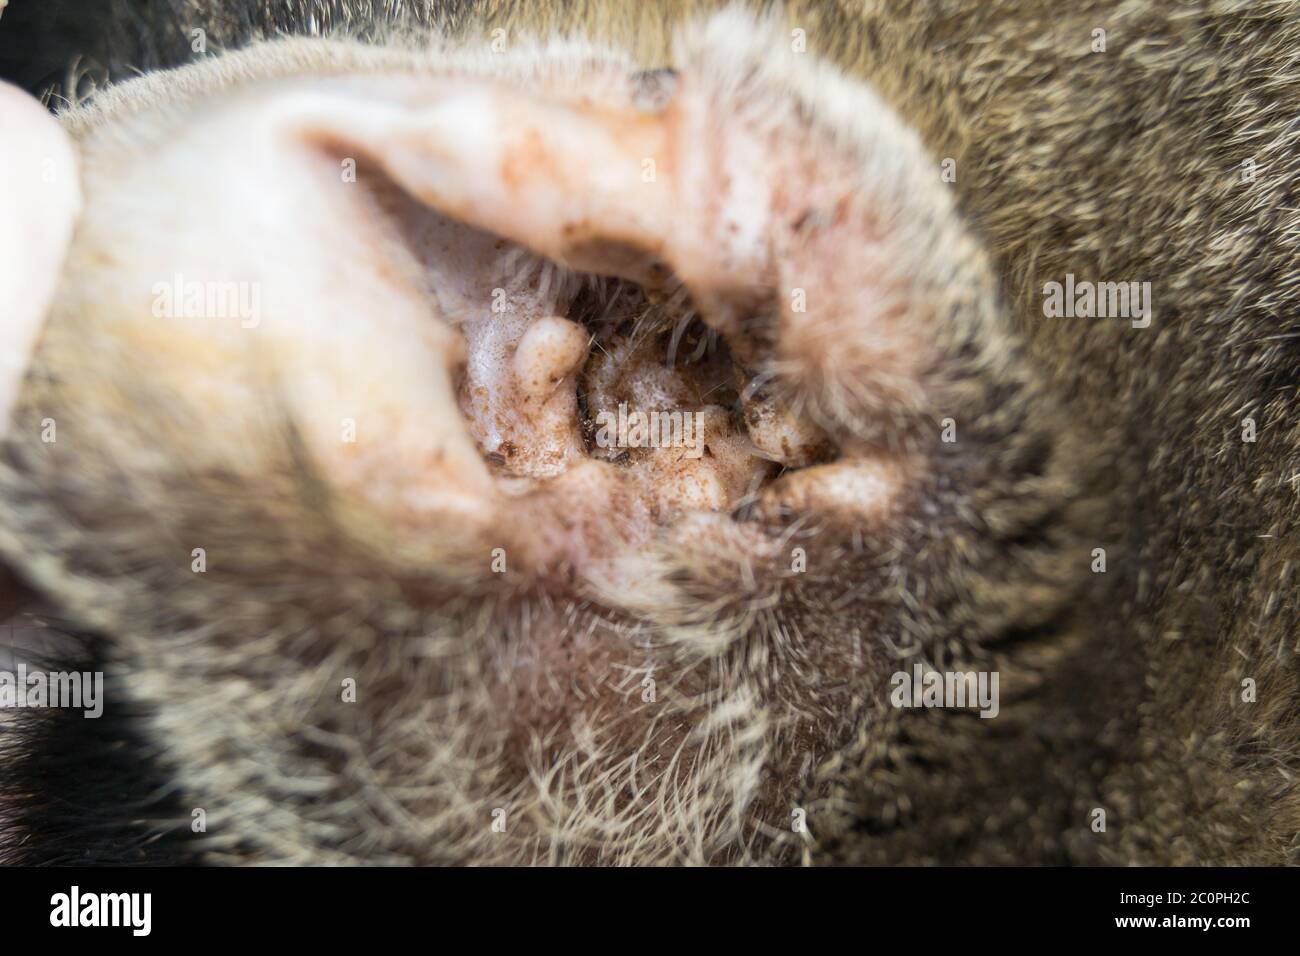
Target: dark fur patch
[77, 791]
[62, 47]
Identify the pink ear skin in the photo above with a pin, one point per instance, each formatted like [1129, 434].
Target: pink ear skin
[725, 205]
[740, 211]
[376, 219]
[40, 197]
[717, 200]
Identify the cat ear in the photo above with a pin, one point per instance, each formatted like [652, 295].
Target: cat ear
[39, 199]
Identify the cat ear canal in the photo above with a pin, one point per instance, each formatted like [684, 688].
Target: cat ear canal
[824, 257]
[40, 196]
[820, 249]
[487, 278]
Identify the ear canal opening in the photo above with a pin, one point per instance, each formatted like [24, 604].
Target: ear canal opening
[564, 369]
[590, 381]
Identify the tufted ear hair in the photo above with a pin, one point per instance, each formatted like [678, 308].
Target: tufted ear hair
[40, 196]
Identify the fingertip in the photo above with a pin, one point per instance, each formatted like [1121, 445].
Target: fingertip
[40, 196]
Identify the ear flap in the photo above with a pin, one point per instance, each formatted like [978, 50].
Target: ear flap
[40, 196]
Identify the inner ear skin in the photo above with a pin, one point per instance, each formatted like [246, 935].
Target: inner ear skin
[325, 560]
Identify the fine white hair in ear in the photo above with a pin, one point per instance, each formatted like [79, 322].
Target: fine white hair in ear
[39, 198]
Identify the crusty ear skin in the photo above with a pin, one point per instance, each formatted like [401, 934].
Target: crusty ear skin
[829, 261]
[39, 200]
